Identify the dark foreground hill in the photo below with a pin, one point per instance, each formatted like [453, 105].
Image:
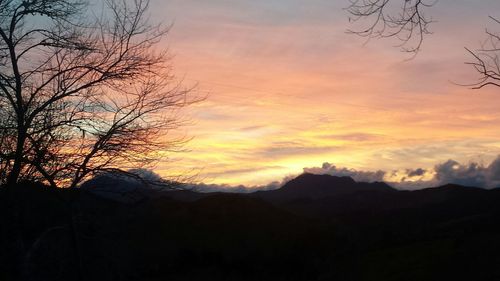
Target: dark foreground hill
[313, 228]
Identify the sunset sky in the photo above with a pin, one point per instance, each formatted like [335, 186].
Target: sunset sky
[288, 88]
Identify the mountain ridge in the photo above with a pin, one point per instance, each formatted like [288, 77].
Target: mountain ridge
[371, 230]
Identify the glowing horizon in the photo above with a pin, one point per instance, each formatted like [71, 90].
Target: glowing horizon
[289, 89]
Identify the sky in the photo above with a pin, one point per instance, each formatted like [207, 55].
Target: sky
[288, 88]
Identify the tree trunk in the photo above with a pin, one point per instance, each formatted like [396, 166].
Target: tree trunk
[18, 158]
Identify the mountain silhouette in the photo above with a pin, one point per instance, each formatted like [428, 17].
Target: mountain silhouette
[310, 186]
[323, 196]
[315, 227]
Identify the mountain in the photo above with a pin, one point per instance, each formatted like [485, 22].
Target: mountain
[325, 196]
[310, 186]
[316, 227]
[313, 195]
[129, 190]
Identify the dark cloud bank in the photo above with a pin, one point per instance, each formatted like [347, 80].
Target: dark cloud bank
[472, 174]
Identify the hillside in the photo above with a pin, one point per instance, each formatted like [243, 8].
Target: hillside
[313, 228]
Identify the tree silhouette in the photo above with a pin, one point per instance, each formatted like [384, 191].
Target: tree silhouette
[82, 93]
[407, 21]
[487, 61]
[404, 19]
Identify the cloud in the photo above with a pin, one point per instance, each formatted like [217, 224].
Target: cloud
[451, 171]
[237, 171]
[290, 148]
[252, 128]
[355, 137]
[206, 188]
[447, 172]
[415, 173]
[362, 176]
[471, 174]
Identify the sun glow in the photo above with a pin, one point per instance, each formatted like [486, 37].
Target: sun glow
[298, 91]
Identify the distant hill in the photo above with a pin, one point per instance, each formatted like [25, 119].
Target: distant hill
[316, 227]
[310, 186]
[325, 195]
[129, 190]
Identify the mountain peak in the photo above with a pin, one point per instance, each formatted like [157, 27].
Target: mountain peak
[318, 180]
[319, 186]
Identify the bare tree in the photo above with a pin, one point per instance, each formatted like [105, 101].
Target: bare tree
[404, 19]
[486, 60]
[80, 93]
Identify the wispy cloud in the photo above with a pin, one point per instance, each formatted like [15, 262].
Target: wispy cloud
[289, 88]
